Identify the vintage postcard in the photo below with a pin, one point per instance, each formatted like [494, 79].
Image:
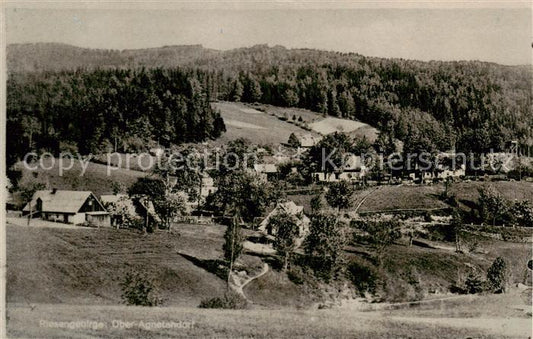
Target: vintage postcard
[283, 169]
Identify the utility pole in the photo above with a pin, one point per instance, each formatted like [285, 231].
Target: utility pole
[29, 215]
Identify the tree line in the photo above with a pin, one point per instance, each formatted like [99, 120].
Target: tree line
[474, 106]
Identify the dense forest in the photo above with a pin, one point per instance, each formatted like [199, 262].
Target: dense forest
[100, 110]
[474, 106]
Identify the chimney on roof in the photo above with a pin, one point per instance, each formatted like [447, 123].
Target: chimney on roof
[54, 190]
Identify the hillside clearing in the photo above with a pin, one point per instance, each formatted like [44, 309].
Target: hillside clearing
[331, 125]
[95, 178]
[245, 122]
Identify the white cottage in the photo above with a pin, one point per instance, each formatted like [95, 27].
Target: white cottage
[70, 207]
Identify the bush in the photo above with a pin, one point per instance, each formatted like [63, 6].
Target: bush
[365, 278]
[474, 284]
[296, 275]
[457, 289]
[138, 289]
[68, 147]
[497, 275]
[398, 290]
[231, 301]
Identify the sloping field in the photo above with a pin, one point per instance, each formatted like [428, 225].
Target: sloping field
[66, 275]
[94, 178]
[426, 197]
[85, 266]
[400, 197]
[406, 197]
[367, 131]
[511, 190]
[331, 125]
[354, 128]
[264, 126]
[245, 122]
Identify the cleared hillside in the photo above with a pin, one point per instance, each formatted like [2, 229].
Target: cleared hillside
[427, 197]
[404, 197]
[94, 178]
[354, 128]
[244, 121]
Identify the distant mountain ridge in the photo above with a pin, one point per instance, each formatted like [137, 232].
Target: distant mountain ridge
[36, 57]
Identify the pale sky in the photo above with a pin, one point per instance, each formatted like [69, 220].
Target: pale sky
[498, 35]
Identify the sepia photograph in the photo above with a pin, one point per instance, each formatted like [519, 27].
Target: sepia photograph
[266, 169]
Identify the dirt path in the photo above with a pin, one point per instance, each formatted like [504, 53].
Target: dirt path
[239, 288]
[364, 198]
[262, 273]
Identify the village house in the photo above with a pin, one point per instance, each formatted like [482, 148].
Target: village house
[121, 206]
[291, 208]
[306, 140]
[207, 186]
[267, 171]
[354, 170]
[449, 166]
[420, 177]
[501, 162]
[444, 173]
[70, 207]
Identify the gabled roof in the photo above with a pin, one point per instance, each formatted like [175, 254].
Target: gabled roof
[125, 202]
[354, 163]
[307, 140]
[121, 201]
[265, 168]
[60, 201]
[112, 198]
[289, 207]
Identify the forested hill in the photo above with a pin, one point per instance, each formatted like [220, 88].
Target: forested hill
[61, 57]
[476, 106]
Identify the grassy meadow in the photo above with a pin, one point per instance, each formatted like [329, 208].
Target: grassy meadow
[23, 322]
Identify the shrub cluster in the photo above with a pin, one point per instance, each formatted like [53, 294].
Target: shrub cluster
[231, 301]
[139, 290]
[365, 277]
[498, 277]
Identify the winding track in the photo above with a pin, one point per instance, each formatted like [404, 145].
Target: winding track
[240, 288]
